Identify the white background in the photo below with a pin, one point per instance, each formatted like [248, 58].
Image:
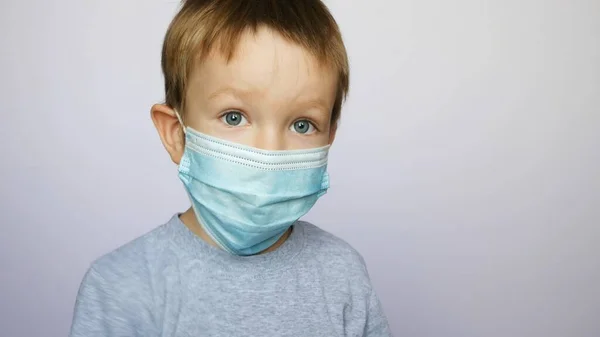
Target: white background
[466, 170]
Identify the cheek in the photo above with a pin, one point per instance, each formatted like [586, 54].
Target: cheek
[236, 135]
[297, 142]
[208, 127]
[205, 123]
[216, 128]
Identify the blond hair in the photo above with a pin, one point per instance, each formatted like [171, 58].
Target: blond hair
[201, 25]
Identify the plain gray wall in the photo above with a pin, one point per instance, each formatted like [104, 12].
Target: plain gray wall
[466, 170]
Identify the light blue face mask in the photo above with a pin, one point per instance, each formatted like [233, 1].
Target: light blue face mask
[246, 198]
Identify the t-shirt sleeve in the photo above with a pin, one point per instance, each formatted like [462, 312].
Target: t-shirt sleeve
[376, 324]
[105, 307]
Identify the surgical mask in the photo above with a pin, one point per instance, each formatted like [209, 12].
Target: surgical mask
[246, 198]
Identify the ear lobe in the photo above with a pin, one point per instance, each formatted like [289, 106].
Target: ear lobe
[169, 129]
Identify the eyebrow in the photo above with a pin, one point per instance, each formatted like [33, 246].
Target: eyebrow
[317, 103]
[241, 94]
[236, 92]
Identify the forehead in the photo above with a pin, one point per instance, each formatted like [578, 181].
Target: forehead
[267, 65]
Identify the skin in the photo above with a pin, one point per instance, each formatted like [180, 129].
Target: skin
[272, 94]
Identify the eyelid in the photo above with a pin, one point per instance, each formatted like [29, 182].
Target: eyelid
[309, 120]
[223, 115]
[225, 112]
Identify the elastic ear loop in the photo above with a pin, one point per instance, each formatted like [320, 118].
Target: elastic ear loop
[324, 185]
[180, 122]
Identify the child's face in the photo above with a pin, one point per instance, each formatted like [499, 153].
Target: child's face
[272, 95]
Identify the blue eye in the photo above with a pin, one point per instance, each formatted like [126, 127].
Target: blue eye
[234, 118]
[303, 127]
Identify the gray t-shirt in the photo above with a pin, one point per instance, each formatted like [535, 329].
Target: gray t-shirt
[169, 282]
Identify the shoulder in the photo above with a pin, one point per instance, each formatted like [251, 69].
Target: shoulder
[324, 241]
[335, 255]
[135, 262]
[344, 276]
[116, 291]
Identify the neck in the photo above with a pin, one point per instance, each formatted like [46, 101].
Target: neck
[190, 221]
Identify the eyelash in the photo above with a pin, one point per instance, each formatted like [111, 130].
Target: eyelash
[314, 125]
[223, 114]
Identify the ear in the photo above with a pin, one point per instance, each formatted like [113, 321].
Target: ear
[332, 131]
[170, 130]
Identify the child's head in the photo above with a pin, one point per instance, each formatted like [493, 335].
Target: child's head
[266, 73]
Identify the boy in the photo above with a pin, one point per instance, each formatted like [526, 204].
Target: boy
[253, 93]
